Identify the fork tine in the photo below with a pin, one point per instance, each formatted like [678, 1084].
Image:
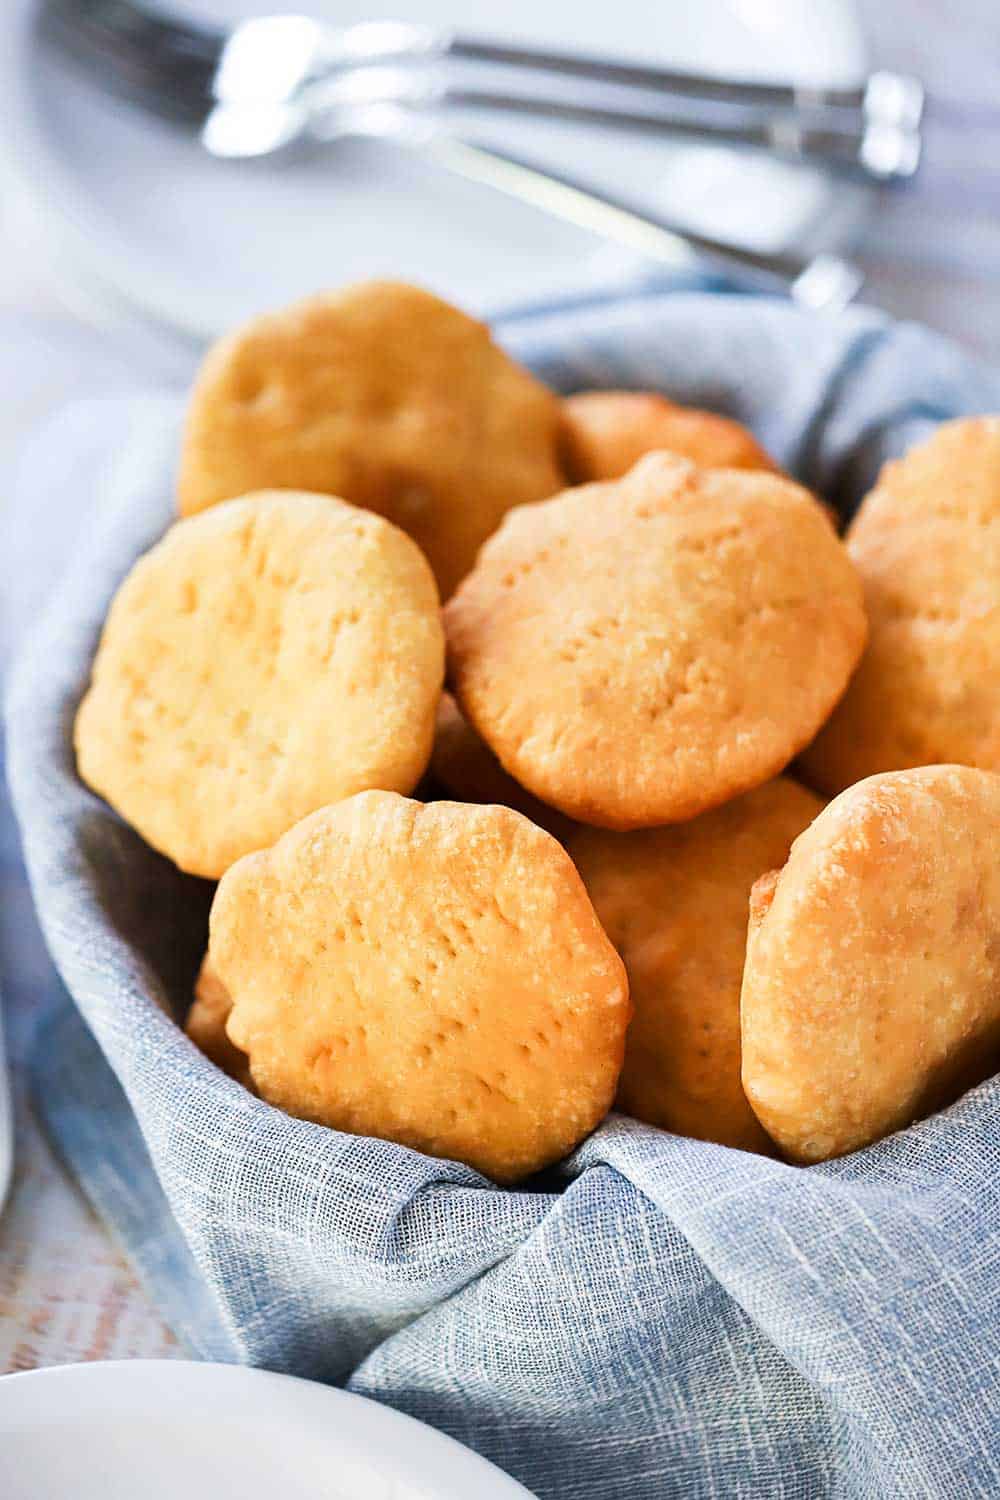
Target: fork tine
[141, 54]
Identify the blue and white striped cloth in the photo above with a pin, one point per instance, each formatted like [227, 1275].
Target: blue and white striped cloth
[662, 1316]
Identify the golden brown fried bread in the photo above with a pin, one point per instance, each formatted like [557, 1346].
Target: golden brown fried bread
[265, 658]
[674, 903]
[206, 1025]
[871, 994]
[386, 396]
[467, 768]
[606, 432]
[640, 651]
[926, 543]
[433, 975]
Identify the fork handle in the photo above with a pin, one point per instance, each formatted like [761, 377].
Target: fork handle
[891, 98]
[323, 49]
[641, 75]
[861, 147]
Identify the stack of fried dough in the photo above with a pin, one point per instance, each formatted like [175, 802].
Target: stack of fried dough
[600, 868]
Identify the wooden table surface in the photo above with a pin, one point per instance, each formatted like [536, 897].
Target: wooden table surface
[932, 253]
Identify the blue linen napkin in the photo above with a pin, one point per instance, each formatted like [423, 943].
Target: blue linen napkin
[659, 1317]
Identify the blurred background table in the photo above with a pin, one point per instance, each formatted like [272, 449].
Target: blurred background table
[931, 252]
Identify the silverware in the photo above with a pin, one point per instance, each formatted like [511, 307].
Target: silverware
[874, 150]
[277, 80]
[872, 130]
[272, 56]
[825, 282]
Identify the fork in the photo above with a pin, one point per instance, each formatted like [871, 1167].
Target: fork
[275, 80]
[269, 60]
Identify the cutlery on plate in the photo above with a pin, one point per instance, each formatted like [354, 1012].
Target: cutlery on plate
[280, 79]
[271, 57]
[861, 146]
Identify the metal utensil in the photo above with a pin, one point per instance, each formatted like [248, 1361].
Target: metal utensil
[276, 55]
[866, 148]
[826, 281]
[873, 130]
[279, 79]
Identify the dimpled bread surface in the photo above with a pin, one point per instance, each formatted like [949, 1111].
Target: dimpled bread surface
[674, 902]
[871, 993]
[432, 975]
[386, 396]
[640, 651]
[606, 432]
[272, 655]
[926, 543]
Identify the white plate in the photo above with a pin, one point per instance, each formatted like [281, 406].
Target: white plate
[174, 1430]
[199, 244]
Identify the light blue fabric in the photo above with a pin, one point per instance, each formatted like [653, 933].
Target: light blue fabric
[662, 1317]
